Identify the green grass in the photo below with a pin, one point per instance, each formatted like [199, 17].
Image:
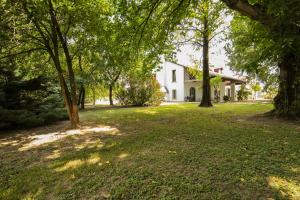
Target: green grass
[167, 152]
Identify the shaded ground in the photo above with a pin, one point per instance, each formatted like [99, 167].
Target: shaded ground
[168, 152]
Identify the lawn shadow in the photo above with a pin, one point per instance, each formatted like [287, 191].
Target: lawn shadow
[165, 152]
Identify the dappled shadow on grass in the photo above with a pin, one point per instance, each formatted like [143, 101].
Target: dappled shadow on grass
[167, 152]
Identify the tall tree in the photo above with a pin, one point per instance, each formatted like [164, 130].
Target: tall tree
[199, 28]
[112, 53]
[46, 26]
[280, 19]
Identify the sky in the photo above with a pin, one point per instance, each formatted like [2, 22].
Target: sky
[217, 57]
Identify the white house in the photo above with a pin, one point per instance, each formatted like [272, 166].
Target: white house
[179, 85]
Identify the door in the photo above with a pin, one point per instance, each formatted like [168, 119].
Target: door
[192, 94]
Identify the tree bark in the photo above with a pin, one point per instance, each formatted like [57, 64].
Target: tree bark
[81, 98]
[206, 93]
[110, 90]
[287, 101]
[50, 42]
[94, 96]
[74, 117]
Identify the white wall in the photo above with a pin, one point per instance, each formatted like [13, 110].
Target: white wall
[197, 85]
[164, 77]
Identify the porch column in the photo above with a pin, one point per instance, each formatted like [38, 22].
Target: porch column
[222, 91]
[232, 92]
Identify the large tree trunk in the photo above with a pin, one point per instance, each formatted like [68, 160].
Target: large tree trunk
[206, 93]
[74, 117]
[110, 90]
[287, 101]
[64, 88]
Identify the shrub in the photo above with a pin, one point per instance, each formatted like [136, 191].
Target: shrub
[22, 118]
[28, 102]
[226, 98]
[243, 94]
[54, 115]
[25, 118]
[140, 92]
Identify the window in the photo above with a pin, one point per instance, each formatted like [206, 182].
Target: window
[174, 94]
[173, 75]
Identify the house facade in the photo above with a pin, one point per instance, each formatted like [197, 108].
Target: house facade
[179, 85]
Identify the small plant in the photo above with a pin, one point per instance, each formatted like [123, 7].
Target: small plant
[243, 94]
[226, 98]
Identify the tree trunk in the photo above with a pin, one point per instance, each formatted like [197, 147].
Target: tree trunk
[206, 93]
[94, 96]
[81, 97]
[111, 102]
[74, 117]
[53, 50]
[287, 101]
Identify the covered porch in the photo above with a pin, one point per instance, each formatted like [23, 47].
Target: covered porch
[228, 87]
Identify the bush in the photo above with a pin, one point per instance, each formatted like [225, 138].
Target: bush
[140, 92]
[25, 118]
[28, 102]
[226, 98]
[243, 94]
[54, 115]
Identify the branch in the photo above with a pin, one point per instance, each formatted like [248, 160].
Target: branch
[254, 12]
[22, 52]
[145, 22]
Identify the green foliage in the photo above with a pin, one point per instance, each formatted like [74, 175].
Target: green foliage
[252, 50]
[270, 92]
[243, 94]
[195, 72]
[256, 87]
[140, 91]
[28, 102]
[216, 81]
[190, 30]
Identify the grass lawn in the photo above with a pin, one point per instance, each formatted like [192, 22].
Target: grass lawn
[167, 152]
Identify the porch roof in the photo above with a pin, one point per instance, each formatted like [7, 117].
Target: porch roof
[227, 78]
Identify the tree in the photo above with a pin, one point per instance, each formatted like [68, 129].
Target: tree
[280, 19]
[111, 58]
[251, 50]
[199, 29]
[255, 88]
[47, 26]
